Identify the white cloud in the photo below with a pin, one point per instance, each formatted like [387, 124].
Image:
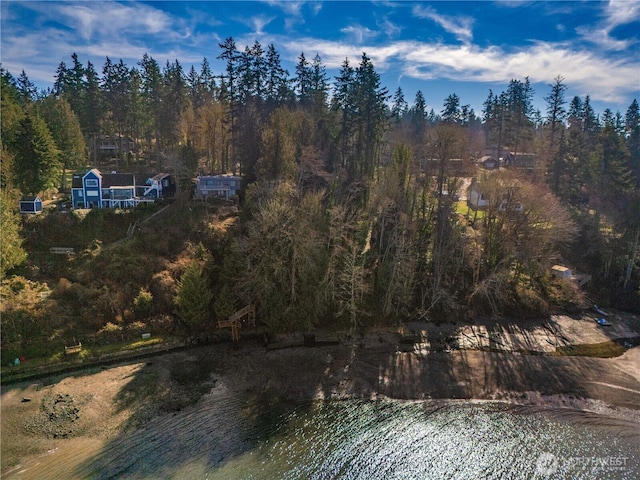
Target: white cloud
[390, 29]
[602, 38]
[584, 71]
[257, 22]
[316, 7]
[616, 13]
[332, 53]
[621, 12]
[116, 30]
[358, 33]
[601, 77]
[289, 7]
[110, 18]
[458, 26]
[293, 10]
[128, 30]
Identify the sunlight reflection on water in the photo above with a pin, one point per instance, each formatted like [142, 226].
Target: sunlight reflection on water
[373, 439]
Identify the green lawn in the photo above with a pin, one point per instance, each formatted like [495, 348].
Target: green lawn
[463, 209]
[88, 353]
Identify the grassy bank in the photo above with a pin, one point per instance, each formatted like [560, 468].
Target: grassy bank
[88, 356]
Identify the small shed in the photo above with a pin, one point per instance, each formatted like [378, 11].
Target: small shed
[561, 272]
[30, 204]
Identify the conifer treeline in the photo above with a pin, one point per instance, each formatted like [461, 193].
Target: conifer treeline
[349, 207]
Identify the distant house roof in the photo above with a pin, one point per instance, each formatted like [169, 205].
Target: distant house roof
[76, 181]
[95, 171]
[30, 198]
[118, 180]
[489, 162]
[521, 160]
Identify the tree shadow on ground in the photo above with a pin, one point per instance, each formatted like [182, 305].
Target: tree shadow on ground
[255, 390]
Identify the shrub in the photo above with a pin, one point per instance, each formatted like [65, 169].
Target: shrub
[109, 333]
[161, 324]
[163, 288]
[143, 304]
[135, 329]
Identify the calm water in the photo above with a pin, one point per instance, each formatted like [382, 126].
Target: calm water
[228, 437]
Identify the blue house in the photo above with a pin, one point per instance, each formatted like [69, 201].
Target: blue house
[30, 204]
[94, 189]
[224, 186]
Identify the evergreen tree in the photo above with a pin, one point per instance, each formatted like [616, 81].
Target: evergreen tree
[10, 108]
[302, 80]
[467, 115]
[590, 124]
[71, 83]
[615, 179]
[207, 79]
[451, 110]
[116, 85]
[193, 297]
[37, 159]
[343, 104]
[370, 100]
[258, 70]
[519, 127]
[12, 254]
[555, 120]
[229, 93]
[91, 122]
[60, 82]
[231, 56]
[246, 80]
[26, 89]
[193, 88]
[173, 101]
[318, 86]
[632, 133]
[276, 82]
[399, 107]
[418, 112]
[494, 115]
[152, 93]
[76, 87]
[65, 130]
[574, 115]
[136, 110]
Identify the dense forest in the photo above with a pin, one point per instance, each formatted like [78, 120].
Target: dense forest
[350, 213]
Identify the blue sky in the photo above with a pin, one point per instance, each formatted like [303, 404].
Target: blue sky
[439, 47]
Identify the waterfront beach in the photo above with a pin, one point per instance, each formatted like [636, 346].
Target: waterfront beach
[60, 423]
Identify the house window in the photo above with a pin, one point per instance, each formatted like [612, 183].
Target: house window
[80, 194]
[91, 183]
[122, 193]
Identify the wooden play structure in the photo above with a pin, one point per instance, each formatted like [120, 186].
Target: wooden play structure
[235, 321]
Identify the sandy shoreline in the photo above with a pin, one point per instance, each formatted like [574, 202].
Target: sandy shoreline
[84, 411]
